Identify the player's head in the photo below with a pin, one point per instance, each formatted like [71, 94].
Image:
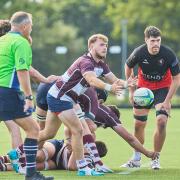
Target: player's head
[97, 45]
[115, 110]
[153, 39]
[22, 22]
[102, 148]
[5, 27]
[102, 95]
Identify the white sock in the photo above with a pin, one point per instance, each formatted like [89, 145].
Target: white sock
[136, 156]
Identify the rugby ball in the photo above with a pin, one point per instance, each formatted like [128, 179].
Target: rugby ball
[143, 97]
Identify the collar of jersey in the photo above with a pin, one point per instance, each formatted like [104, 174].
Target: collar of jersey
[15, 32]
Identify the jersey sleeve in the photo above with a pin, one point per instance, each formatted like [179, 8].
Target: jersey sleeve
[23, 56]
[86, 66]
[133, 59]
[174, 64]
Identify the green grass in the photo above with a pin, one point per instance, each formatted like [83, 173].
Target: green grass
[119, 152]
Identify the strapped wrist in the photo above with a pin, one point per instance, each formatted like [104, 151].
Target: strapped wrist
[107, 87]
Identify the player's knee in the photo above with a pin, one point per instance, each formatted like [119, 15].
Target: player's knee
[161, 123]
[142, 118]
[139, 126]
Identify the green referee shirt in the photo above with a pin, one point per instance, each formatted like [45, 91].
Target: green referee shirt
[15, 54]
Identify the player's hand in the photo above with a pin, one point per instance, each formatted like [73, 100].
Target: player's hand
[166, 106]
[52, 78]
[153, 155]
[29, 106]
[132, 81]
[116, 87]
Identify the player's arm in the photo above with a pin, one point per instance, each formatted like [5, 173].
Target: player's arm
[175, 71]
[172, 90]
[111, 78]
[38, 77]
[91, 78]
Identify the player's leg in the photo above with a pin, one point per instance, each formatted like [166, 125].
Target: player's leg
[70, 119]
[47, 152]
[161, 123]
[46, 165]
[140, 117]
[52, 125]
[15, 133]
[41, 117]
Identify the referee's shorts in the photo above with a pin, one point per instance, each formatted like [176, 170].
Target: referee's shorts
[12, 104]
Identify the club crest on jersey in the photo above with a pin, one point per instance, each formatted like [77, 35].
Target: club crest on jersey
[21, 61]
[161, 62]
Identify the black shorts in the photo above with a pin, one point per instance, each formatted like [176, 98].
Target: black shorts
[159, 97]
[12, 104]
[41, 95]
[58, 144]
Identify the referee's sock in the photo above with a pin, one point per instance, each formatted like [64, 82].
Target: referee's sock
[30, 150]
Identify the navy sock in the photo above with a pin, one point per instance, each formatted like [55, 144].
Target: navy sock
[30, 150]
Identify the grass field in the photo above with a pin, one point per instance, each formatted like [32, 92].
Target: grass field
[119, 152]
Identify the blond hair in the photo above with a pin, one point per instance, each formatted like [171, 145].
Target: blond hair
[92, 39]
[20, 17]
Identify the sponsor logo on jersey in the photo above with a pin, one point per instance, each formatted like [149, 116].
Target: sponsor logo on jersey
[145, 61]
[151, 77]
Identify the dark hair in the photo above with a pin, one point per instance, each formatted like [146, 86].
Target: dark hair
[5, 27]
[102, 94]
[102, 148]
[115, 110]
[152, 31]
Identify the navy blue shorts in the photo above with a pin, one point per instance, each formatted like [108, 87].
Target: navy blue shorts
[58, 144]
[11, 104]
[41, 94]
[57, 105]
[159, 97]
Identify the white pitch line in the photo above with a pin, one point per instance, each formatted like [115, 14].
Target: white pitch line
[131, 170]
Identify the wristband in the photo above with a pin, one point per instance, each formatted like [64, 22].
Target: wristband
[107, 87]
[125, 84]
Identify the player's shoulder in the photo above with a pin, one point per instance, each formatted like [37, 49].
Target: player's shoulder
[140, 49]
[167, 51]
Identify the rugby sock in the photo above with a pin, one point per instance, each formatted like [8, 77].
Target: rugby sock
[20, 150]
[89, 160]
[30, 150]
[136, 156]
[4, 159]
[81, 164]
[90, 145]
[22, 161]
[3, 167]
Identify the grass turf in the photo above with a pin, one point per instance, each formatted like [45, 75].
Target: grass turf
[119, 152]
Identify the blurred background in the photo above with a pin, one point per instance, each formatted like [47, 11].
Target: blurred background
[61, 29]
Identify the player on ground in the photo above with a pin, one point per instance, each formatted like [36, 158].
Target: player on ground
[158, 70]
[55, 154]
